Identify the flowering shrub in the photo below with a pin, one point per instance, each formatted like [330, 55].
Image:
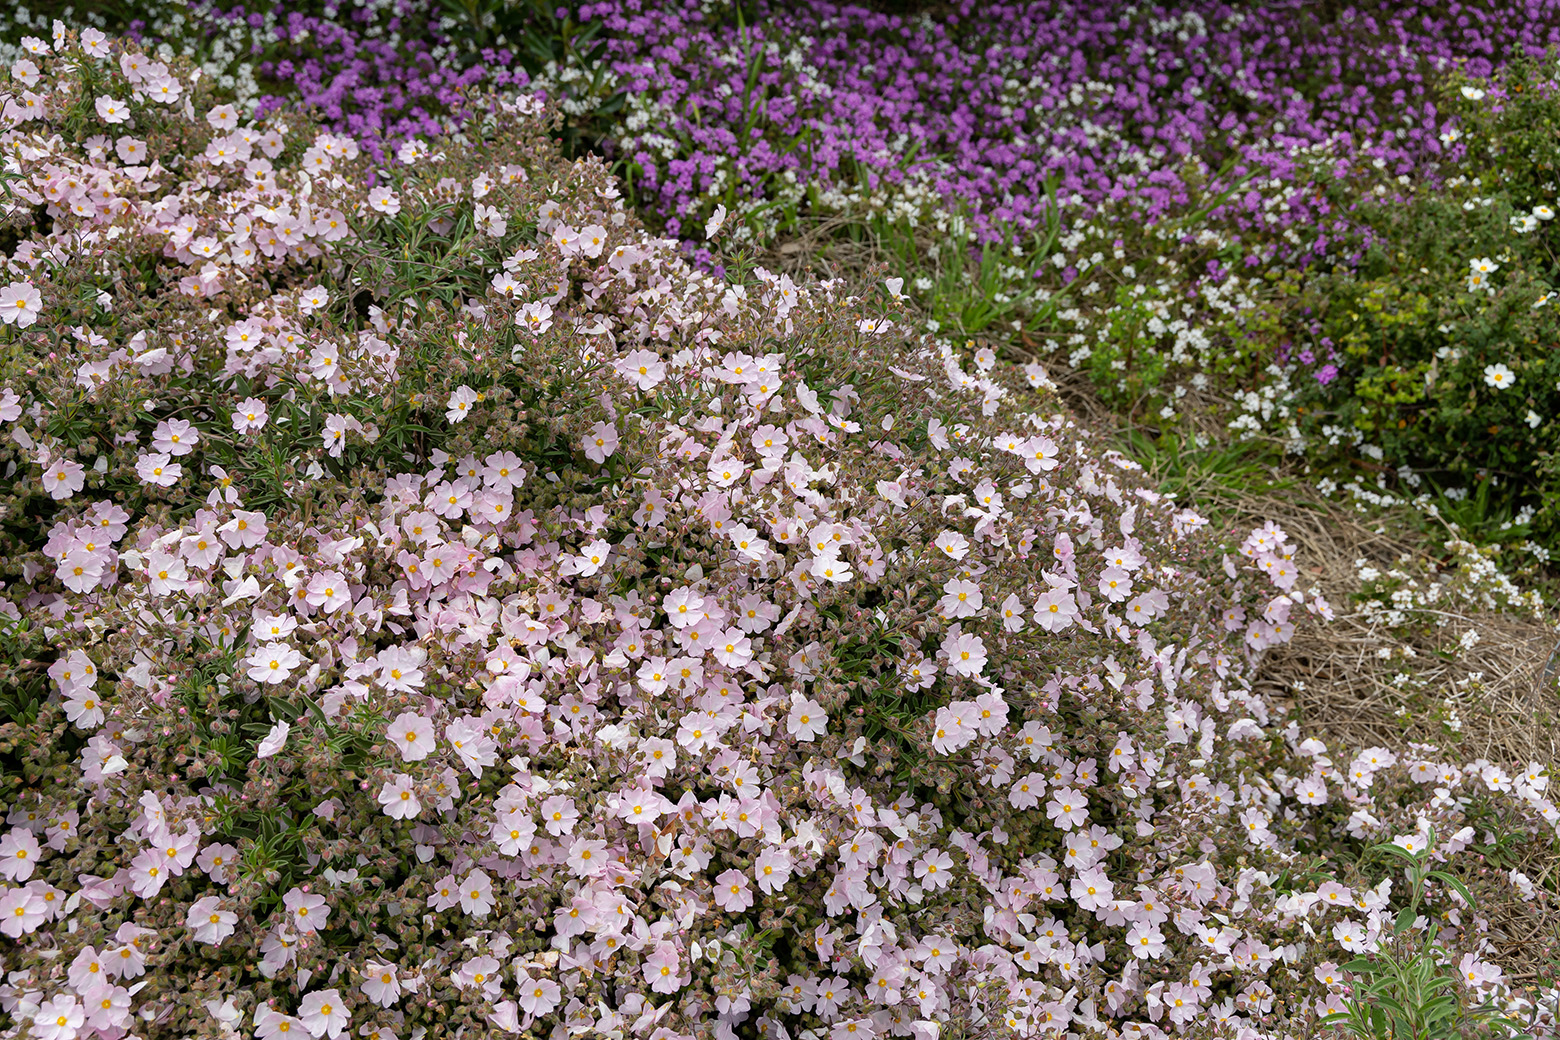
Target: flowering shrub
[1443, 338]
[443, 608]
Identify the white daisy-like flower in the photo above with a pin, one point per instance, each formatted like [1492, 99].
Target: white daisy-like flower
[1473, 93]
[1499, 376]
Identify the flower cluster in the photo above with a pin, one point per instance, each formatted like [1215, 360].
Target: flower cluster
[461, 613]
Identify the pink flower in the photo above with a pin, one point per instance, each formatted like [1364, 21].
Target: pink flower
[245, 531]
[950, 729]
[216, 859]
[273, 663]
[732, 893]
[274, 740]
[308, 909]
[535, 316]
[249, 415]
[1115, 584]
[1146, 941]
[94, 43]
[112, 111]
[1352, 937]
[1067, 808]
[19, 854]
[660, 969]
[502, 470]
[175, 437]
[472, 744]
[773, 869]
[1055, 610]
[934, 869]
[158, 469]
[643, 368]
[380, 983]
[400, 668]
[559, 815]
[733, 649]
[334, 434]
[81, 570]
[58, 1019]
[324, 1014]
[22, 910]
[960, 599]
[684, 607]
[63, 478]
[328, 591]
[274, 1025]
[383, 200]
[222, 117]
[1040, 454]
[537, 996]
[1476, 973]
[600, 442]
[398, 799]
[476, 894]
[966, 653]
[1026, 791]
[807, 719]
[1311, 791]
[954, 544]
[412, 734]
[208, 922]
[587, 857]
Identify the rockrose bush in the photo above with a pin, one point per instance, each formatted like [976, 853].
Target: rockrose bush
[433, 608]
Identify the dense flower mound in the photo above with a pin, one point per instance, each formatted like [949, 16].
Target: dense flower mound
[435, 606]
[829, 105]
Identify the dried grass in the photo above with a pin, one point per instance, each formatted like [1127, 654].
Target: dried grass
[1343, 690]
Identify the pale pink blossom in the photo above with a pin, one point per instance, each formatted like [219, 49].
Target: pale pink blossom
[412, 734]
[600, 442]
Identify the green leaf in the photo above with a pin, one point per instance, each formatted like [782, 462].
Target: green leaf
[1405, 920]
[1457, 886]
[1396, 850]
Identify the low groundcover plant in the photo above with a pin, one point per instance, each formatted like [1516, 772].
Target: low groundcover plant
[436, 609]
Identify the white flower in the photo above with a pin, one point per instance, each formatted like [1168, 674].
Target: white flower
[273, 663]
[274, 740]
[1473, 93]
[717, 220]
[1543, 212]
[1533, 419]
[1479, 272]
[1499, 376]
[20, 304]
